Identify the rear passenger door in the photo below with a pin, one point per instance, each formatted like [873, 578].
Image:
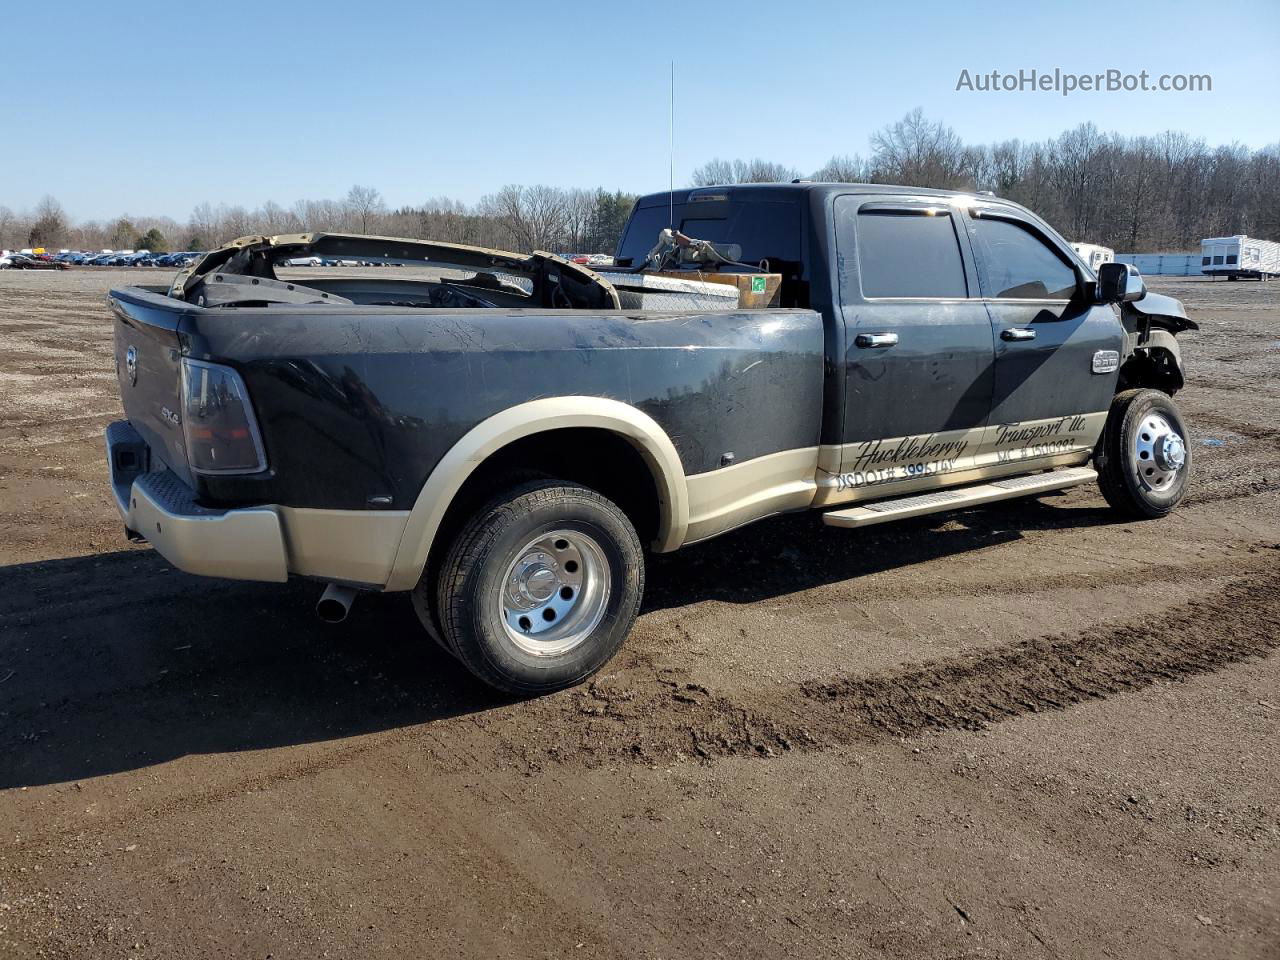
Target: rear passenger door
[919, 355]
[1057, 353]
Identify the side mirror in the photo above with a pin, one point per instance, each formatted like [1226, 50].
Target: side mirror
[1120, 283]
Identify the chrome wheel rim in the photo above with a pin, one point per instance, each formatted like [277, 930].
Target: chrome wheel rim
[554, 592]
[1159, 453]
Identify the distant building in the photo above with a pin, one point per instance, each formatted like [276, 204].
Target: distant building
[1163, 264]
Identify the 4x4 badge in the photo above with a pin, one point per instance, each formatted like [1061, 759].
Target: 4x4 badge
[131, 365]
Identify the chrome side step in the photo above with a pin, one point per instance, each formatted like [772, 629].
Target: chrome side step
[882, 511]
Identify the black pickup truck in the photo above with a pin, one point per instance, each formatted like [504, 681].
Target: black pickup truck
[497, 434]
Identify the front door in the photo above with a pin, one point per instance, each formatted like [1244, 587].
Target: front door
[919, 357]
[1057, 353]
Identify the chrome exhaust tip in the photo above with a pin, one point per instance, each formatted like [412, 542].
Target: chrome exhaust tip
[335, 603]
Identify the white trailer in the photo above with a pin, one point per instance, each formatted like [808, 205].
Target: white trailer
[1094, 254]
[1240, 256]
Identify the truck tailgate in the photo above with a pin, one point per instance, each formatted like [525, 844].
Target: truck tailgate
[148, 365]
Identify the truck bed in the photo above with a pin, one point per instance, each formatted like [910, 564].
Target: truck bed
[359, 402]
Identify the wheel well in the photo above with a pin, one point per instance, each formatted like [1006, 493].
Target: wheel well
[592, 456]
[1155, 367]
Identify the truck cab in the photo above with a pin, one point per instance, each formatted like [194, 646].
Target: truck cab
[964, 337]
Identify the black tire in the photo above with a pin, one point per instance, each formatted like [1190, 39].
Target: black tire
[1119, 464]
[470, 587]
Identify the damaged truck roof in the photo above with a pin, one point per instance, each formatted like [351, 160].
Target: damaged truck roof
[553, 281]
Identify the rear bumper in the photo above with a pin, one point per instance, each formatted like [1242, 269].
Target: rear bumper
[268, 542]
[243, 544]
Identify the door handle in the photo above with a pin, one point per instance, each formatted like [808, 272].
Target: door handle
[866, 340]
[1017, 333]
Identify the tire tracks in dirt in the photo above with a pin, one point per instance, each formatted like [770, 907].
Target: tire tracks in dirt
[642, 713]
[659, 717]
[667, 720]
[1239, 427]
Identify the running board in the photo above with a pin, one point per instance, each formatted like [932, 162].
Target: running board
[883, 511]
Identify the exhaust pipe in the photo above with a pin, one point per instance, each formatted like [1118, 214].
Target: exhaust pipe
[335, 603]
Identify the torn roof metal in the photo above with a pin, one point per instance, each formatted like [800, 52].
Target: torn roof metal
[256, 256]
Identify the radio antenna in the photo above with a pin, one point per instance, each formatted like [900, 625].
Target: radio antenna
[671, 152]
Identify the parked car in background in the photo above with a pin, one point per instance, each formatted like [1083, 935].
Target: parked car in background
[22, 261]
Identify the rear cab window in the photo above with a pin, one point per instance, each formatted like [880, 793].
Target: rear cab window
[904, 251]
[764, 229]
[909, 254]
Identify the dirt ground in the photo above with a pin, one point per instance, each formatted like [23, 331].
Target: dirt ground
[1022, 731]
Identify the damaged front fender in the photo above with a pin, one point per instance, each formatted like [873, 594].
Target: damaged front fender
[1153, 356]
[1155, 309]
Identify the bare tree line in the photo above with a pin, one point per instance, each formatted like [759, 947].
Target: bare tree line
[1149, 193]
[1161, 192]
[514, 218]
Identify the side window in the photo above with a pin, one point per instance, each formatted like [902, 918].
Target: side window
[1015, 264]
[1204, 261]
[1231, 258]
[1217, 260]
[908, 253]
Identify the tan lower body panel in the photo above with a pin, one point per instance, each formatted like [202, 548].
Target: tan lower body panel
[958, 498]
[731, 496]
[352, 546]
[874, 469]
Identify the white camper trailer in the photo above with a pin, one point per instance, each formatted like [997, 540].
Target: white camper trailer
[1239, 256]
[1093, 254]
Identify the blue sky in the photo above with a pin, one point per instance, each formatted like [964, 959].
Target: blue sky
[130, 110]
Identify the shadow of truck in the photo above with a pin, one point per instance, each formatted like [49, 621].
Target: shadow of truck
[117, 661]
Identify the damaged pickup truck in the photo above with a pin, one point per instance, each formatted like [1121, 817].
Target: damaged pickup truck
[502, 435]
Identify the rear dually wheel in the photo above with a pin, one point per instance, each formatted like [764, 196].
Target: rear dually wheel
[540, 587]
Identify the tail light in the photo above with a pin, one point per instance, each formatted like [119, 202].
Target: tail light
[217, 420]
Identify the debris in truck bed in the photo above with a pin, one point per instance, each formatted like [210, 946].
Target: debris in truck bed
[671, 291]
[756, 291]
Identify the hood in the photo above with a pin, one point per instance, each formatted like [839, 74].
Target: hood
[1162, 311]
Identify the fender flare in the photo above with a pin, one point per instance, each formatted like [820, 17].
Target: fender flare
[1163, 340]
[526, 419]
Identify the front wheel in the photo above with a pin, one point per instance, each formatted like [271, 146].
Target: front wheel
[1143, 459]
[540, 587]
